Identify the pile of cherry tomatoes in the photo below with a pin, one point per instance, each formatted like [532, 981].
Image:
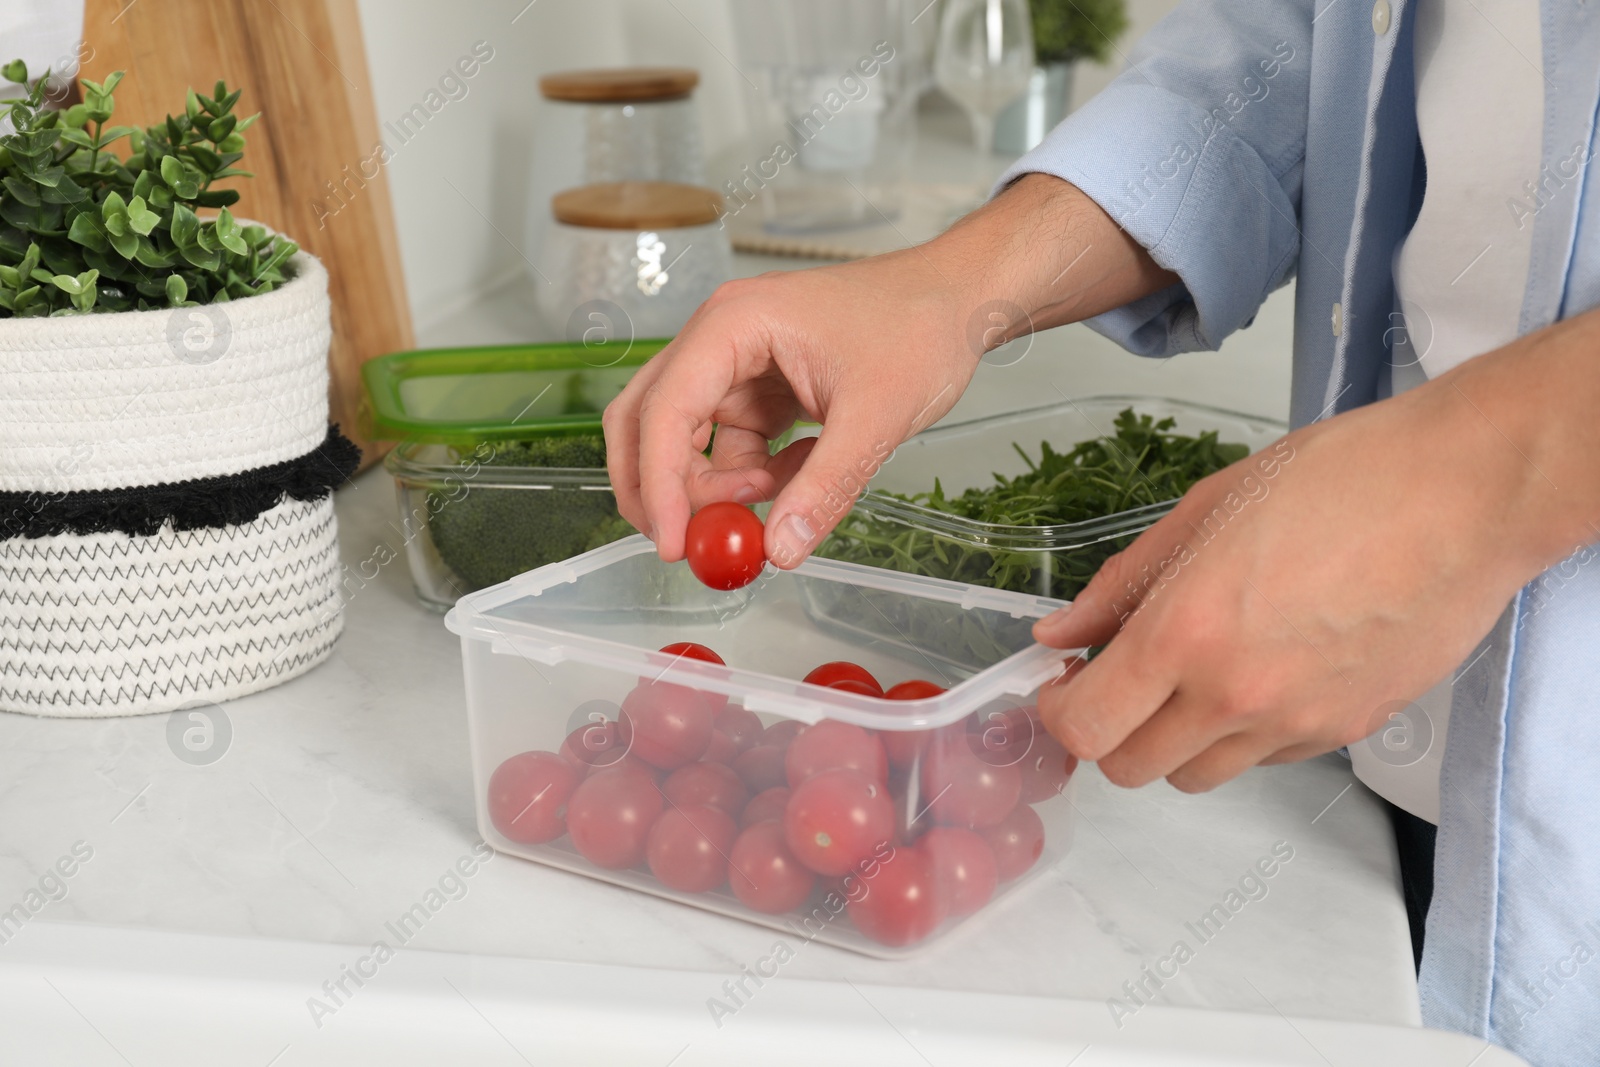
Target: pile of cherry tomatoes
[911, 827]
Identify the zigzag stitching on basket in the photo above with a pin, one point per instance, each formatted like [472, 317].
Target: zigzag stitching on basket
[164, 617]
[120, 642]
[213, 587]
[168, 538]
[101, 698]
[164, 664]
[164, 568]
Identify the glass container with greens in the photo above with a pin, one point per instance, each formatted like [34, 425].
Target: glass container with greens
[1034, 501]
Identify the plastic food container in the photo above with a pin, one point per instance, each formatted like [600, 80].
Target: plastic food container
[631, 259]
[500, 466]
[903, 819]
[1046, 560]
[638, 123]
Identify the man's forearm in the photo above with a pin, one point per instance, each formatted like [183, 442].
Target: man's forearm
[1532, 411]
[1046, 248]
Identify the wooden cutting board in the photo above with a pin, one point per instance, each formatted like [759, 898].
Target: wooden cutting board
[302, 64]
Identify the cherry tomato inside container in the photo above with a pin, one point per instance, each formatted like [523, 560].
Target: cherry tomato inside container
[741, 726]
[760, 768]
[688, 848]
[707, 783]
[764, 874]
[528, 796]
[693, 651]
[725, 545]
[901, 903]
[767, 804]
[963, 790]
[835, 819]
[1017, 841]
[965, 875]
[831, 674]
[610, 815]
[832, 745]
[670, 725]
[598, 744]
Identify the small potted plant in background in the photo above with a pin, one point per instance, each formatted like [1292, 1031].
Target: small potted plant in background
[1064, 32]
[166, 526]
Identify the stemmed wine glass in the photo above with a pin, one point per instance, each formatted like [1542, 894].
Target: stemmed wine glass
[983, 60]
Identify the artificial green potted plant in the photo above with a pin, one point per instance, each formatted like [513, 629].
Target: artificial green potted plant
[166, 526]
[1065, 32]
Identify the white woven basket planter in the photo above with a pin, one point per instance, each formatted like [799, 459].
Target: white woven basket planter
[107, 419]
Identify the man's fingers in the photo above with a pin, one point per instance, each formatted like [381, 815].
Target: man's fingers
[621, 425]
[1109, 699]
[1223, 762]
[675, 409]
[1177, 733]
[836, 468]
[1118, 589]
[738, 469]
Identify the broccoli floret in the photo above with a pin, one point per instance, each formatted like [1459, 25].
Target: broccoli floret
[489, 534]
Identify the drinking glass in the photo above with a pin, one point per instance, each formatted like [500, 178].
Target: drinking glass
[983, 60]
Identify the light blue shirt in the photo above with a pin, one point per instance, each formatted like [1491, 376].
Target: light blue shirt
[1255, 140]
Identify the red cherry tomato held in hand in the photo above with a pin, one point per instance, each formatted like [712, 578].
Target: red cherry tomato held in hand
[760, 768]
[965, 875]
[1046, 769]
[528, 796]
[688, 848]
[596, 745]
[610, 815]
[1017, 842]
[670, 725]
[836, 819]
[963, 790]
[830, 674]
[741, 725]
[767, 804]
[901, 905]
[706, 783]
[830, 745]
[764, 874]
[725, 545]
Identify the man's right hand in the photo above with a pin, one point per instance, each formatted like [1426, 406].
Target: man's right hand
[874, 350]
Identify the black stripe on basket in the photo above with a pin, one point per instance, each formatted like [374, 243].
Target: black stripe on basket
[202, 503]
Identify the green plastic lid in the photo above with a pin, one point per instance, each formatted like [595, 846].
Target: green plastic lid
[501, 392]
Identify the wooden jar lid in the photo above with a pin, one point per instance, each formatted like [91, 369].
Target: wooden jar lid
[620, 84]
[637, 206]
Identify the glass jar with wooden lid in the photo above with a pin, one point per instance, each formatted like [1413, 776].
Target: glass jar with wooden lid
[633, 259]
[639, 123]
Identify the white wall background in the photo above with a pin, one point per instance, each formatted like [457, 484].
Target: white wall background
[470, 190]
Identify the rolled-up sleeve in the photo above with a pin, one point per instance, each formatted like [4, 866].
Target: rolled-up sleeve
[1197, 151]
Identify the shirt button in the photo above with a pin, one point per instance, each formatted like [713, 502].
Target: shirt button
[1380, 17]
[1337, 318]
